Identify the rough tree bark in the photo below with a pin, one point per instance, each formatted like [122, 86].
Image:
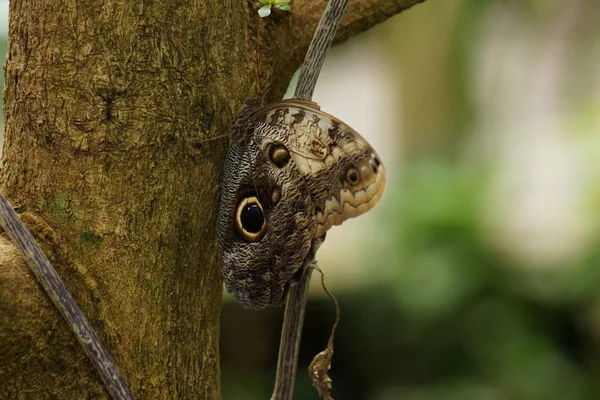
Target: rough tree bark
[102, 106]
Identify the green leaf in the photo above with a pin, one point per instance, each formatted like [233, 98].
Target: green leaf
[284, 7]
[280, 2]
[265, 1]
[264, 11]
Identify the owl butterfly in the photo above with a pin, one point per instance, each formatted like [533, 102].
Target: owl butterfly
[292, 172]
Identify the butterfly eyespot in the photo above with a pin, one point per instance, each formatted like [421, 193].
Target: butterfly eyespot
[353, 176]
[250, 220]
[376, 162]
[279, 155]
[275, 196]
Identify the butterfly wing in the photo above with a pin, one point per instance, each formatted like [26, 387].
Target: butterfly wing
[292, 172]
[343, 173]
[265, 222]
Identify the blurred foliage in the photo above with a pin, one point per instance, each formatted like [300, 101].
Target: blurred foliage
[432, 52]
[501, 330]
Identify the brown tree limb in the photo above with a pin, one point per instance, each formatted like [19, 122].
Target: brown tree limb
[358, 17]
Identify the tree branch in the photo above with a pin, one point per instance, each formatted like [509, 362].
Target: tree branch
[359, 16]
[286, 38]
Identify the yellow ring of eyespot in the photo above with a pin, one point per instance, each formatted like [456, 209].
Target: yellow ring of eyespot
[353, 172]
[249, 236]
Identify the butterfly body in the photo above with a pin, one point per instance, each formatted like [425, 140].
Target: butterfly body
[291, 173]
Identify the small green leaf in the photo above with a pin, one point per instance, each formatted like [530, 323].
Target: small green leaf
[264, 1]
[284, 7]
[264, 11]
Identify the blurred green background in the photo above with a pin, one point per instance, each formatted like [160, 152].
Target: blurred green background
[478, 275]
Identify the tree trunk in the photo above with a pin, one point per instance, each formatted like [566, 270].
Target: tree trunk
[103, 105]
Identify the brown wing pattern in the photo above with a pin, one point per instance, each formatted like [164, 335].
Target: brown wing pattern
[342, 171]
[292, 172]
